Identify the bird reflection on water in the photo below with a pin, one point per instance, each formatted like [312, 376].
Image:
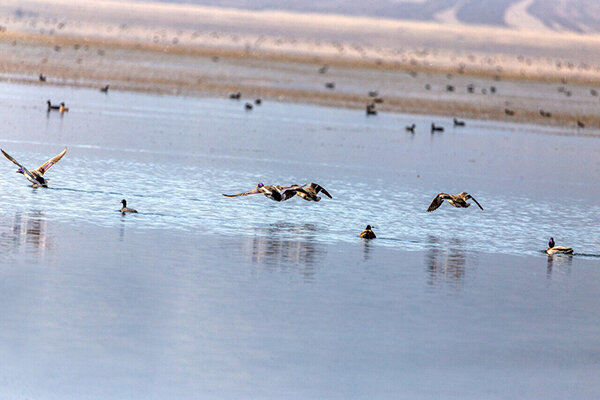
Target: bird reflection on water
[561, 261]
[26, 231]
[285, 246]
[445, 261]
[366, 244]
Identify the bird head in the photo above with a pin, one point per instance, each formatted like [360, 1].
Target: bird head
[260, 184]
[551, 243]
[20, 171]
[124, 202]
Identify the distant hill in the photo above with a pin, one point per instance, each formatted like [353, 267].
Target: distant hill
[581, 16]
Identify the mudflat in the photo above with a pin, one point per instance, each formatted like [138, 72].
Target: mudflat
[548, 78]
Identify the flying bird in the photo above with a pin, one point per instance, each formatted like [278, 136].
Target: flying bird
[275, 193]
[310, 193]
[456, 200]
[36, 176]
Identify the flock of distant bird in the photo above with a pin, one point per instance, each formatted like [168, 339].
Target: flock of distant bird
[371, 106]
[248, 106]
[435, 128]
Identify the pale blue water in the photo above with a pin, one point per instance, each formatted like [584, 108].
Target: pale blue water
[202, 296]
[172, 158]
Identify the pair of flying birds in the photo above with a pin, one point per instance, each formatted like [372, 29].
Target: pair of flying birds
[283, 193]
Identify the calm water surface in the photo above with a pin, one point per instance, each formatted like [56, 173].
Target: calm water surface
[202, 296]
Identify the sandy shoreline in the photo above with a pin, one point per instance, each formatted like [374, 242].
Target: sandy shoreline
[252, 53]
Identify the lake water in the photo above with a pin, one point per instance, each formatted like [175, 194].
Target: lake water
[202, 296]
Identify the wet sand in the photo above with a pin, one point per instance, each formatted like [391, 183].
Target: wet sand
[199, 51]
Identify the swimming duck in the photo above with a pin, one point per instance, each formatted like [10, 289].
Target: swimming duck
[367, 233]
[36, 176]
[371, 109]
[105, 89]
[42, 78]
[275, 193]
[457, 200]
[309, 193]
[410, 128]
[124, 209]
[435, 128]
[458, 122]
[51, 107]
[62, 108]
[552, 249]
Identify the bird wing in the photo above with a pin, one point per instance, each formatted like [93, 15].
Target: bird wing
[46, 166]
[291, 190]
[249, 192]
[25, 170]
[476, 202]
[436, 202]
[318, 188]
[287, 194]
